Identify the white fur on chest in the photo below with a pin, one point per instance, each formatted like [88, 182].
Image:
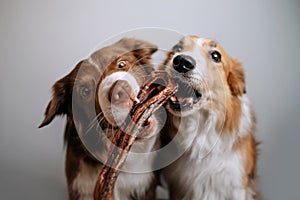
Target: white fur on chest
[85, 181]
[127, 183]
[215, 177]
[209, 169]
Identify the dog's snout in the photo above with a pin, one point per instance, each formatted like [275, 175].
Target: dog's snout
[183, 63]
[120, 93]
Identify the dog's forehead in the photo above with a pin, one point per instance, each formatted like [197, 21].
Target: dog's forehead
[106, 56]
[195, 43]
[85, 71]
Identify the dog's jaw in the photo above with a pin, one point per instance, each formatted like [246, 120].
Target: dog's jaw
[195, 81]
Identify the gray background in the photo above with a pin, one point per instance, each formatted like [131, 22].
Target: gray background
[41, 41]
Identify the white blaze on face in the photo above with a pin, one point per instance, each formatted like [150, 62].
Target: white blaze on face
[196, 53]
[200, 42]
[113, 113]
[199, 57]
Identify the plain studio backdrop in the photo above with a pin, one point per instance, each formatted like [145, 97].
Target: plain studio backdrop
[41, 41]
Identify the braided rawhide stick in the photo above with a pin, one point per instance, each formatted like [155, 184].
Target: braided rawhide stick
[152, 96]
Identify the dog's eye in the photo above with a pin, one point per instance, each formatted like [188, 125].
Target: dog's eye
[85, 91]
[215, 56]
[177, 48]
[122, 64]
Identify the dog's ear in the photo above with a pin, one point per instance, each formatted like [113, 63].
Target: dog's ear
[58, 104]
[236, 79]
[141, 49]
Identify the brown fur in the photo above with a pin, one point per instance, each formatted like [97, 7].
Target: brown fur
[78, 159]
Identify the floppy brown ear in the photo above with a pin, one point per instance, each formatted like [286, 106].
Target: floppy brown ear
[58, 103]
[142, 49]
[236, 79]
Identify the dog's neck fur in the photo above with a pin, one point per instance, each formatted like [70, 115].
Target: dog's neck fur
[82, 170]
[215, 169]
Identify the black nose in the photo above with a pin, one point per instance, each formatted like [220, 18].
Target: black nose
[183, 63]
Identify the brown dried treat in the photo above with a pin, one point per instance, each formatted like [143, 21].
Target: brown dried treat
[153, 95]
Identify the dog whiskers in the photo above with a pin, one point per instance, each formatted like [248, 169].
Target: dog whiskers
[97, 120]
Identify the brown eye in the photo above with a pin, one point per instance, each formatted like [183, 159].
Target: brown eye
[122, 64]
[85, 91]
[215, 56]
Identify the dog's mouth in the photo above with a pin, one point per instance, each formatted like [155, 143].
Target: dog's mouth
[146, 129]
[151, 96]
[150, 91]
[185, 98]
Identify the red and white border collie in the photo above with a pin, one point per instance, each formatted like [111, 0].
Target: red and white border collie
[215, 122]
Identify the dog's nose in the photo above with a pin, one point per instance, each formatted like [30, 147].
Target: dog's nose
[121, 94]
[183, 63]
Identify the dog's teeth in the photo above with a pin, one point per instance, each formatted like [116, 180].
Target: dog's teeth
[181, 99]
[173, 98]
[189, 100]
[136, 100]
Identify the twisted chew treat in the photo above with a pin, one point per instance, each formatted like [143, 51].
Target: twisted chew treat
[153, 95]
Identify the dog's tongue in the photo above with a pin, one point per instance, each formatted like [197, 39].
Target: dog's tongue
[153, 95]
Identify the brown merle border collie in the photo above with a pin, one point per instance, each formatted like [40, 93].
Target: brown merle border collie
[97, 95]
[215, 122]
